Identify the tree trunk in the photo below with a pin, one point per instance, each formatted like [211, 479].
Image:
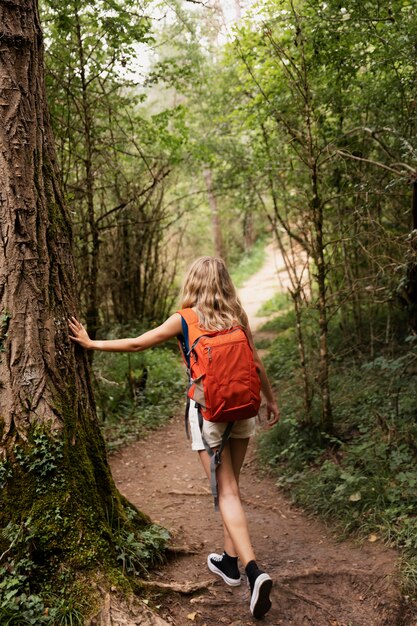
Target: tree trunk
[52, 455]
[323, 374]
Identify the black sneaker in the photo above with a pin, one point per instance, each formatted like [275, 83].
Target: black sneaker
[226, 567]
[260, 589]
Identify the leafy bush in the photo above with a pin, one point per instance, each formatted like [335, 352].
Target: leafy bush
[20, 604]
[362, 476]
[138, 553]
[138, 391]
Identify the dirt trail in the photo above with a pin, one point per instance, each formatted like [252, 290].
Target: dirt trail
[317, 580]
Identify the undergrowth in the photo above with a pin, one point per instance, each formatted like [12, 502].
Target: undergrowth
[22, 602]
[250, 263]
[35, 593]
[362, 477]
[137, 392]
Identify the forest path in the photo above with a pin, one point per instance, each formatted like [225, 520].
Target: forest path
[263, 285]
[317, 580]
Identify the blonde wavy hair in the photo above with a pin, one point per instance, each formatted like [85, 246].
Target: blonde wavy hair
[208, 288]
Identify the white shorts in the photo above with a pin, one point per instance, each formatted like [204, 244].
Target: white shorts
[213, 431]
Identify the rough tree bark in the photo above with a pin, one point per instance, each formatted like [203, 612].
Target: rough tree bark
[45, 385]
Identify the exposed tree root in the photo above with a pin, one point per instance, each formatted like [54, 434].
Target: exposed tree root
[185, 588]
[322, 573]
[175, 492]
[204, 601]
[117, 612]
[304, 598]
[175, 549]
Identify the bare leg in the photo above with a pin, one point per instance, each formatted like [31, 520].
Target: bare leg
[238, 449]
[233, 515]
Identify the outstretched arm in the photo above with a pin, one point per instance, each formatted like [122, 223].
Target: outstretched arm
[170, 328]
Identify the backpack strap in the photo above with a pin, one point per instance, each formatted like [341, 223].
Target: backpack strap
[191, 325]
[190, 332]
[215, 457]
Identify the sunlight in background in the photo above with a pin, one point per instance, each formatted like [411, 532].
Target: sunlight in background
[227, 12]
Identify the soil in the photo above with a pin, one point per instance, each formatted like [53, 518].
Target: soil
[318, 581]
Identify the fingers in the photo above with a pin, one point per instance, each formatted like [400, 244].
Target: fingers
[73, 322]
[76, 329]
[75, 325]
[272, 422]
[272, 416]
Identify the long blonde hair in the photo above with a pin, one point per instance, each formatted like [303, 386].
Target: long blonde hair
[208, 288]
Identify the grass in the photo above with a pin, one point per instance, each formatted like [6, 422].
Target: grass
[250, 263]
[280, 302]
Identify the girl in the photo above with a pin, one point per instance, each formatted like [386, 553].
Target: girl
[209, 291]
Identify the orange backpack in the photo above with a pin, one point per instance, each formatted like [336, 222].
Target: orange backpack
[224, 381]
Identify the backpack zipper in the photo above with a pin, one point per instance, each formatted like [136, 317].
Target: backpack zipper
[230, 330]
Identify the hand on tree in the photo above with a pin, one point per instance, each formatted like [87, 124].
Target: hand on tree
[79, 334]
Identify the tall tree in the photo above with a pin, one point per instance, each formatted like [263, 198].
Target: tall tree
[56, 484]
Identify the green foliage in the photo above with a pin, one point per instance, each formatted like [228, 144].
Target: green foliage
[281, 322]
[115, 155]
[41, 457]
[279, 302]
[282, 357]
[137, 554]
[4, 327]
[5, 473]
[137, 392]
[363, 476]
[250, 262]
[17, 605]
[20, 603]
[20, 607]
[138, 548]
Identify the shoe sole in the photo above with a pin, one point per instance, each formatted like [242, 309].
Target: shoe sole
[232, 582]
[260, 602]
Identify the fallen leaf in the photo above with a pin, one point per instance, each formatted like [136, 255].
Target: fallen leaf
[192, 616]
